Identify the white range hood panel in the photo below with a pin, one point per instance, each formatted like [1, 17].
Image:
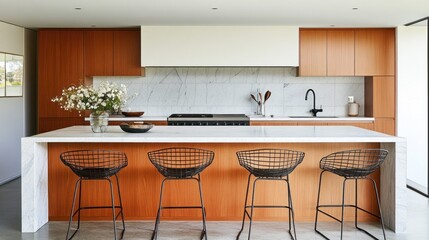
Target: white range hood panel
[219, 46]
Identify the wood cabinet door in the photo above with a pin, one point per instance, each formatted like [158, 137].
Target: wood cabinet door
[340, 52]
[60, 64]
[366, 125]
[375, 52]
[127, 53]
[380, 97]
[98, 53]
[312, 52]
[385, 125]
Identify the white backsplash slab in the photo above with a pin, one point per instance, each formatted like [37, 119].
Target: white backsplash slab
[227, 90]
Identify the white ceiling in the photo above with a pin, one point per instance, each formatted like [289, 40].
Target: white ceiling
[126, 13]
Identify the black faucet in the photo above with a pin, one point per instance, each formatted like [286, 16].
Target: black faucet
[314, 111]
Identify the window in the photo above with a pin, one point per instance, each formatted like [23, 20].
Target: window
[11, 75]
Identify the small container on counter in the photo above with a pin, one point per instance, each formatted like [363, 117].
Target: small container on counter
[353, 107]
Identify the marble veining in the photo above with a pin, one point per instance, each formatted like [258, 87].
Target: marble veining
[227, 90]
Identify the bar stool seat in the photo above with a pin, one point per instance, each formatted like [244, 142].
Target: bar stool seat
[181, 163]
[269, 164]
[95, 165]
[351, 165]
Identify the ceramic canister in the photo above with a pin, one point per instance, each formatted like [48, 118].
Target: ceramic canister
[353, 109]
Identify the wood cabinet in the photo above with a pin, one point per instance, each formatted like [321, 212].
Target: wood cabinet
[112, 52]
[326, 52]
[347, 52]
[375, 52]
[312, 52]
[126, 50]
[380, 97]
[60, 64]
[385, 125]
[340, 52]
[98, 53]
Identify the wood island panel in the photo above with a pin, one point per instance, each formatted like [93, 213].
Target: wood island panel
[223, 182]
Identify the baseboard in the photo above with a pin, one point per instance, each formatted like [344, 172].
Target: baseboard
[3, 181]
[417, 187]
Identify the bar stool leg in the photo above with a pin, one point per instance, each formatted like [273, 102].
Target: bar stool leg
[158, 215]
[120, 205]
[113, 207]
[318, 202]
[245, 204]
[72, 211]
[342, 207]
[379, 207]
[203, 209]
[80, 200]
[251, 207]
[291, 219]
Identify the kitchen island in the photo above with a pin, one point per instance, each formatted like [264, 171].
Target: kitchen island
[47, 185]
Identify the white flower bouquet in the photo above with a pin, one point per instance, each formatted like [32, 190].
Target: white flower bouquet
[108, 97]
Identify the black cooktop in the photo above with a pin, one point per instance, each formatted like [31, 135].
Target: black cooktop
[192, 119]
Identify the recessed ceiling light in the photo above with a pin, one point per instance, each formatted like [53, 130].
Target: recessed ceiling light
[78, 8]
[355, 8]
[93, 26]
[332, 25]
[214, 8]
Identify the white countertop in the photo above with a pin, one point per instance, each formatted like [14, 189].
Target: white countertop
[321, 119]
[251, 134]
[252, 118]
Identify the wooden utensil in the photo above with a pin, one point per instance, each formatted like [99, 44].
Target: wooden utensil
[267, 96]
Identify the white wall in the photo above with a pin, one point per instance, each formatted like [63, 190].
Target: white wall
[412, 119]
[12, 110]
[227, 90]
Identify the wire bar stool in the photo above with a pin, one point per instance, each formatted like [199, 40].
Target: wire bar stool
[181, 163]
[352, 165]
[95, 165]
[269, 164]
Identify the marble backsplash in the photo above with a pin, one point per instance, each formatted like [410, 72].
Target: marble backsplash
[227, 90]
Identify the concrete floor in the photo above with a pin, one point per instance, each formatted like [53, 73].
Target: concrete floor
[10, 224]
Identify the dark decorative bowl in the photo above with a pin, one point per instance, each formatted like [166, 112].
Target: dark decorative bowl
[132, 114]
[136, 127]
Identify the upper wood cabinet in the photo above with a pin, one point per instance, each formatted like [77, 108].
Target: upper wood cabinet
[347, 52]
[126, 50]
[312, 52]
[340, 52]
[112, 52]
[375, 52]
[98, 53]
[326, 52]
[60, 64]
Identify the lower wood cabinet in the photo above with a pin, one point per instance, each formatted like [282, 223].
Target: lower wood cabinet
[385, 125]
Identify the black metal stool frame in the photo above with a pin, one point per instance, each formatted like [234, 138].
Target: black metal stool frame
[252, 206]
[115, 216]
[269, 164]
[181, 163]
[203, 209]
[95, 165]
[355, 205]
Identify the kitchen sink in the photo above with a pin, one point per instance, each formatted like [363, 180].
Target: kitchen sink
[313, 117]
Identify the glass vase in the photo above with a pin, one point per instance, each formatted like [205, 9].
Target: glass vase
[99, 122]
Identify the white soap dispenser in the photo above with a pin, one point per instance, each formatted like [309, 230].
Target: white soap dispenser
[353, 107]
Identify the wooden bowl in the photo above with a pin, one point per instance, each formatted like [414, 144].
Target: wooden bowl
[136, 127]
[132, 114]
